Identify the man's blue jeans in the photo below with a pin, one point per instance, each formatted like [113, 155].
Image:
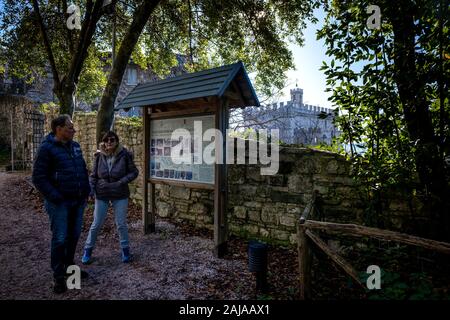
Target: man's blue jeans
[65, 222]
[120, 214]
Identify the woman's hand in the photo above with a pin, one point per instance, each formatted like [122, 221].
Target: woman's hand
[91, 196]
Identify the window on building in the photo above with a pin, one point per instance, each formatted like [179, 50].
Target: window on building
[132, 76]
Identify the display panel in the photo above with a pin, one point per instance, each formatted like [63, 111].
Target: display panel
[163, 166]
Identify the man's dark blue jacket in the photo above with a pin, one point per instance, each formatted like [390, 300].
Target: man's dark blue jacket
[60, 172]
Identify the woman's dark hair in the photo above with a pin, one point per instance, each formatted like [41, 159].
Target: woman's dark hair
[110, 134]
[59, 121]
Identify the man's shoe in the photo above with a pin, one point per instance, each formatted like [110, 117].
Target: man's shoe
[86, 259]
[126, 256]
[59, 286]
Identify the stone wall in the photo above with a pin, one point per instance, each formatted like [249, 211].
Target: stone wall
[130, 135]
[268, 207]
[263, 207]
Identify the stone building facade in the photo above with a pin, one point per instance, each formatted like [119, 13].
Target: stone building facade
[298, 123]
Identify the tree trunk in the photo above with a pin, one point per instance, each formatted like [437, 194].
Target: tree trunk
[65, 92]
[430, 166]
[105, 114]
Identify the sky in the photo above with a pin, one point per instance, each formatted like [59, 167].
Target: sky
[307, 60]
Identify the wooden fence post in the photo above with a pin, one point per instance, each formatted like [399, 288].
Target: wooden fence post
[304, 262]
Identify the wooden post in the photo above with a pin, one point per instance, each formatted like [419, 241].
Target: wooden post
[221, 187]
[152, 214]
[146, 218]
[12, 143]
[304, 262]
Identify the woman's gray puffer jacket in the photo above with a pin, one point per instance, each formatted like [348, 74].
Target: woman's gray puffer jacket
[113, 185]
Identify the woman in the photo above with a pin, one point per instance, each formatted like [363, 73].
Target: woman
[113, 170]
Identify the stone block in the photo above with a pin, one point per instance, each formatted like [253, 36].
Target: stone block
[276, 180]
[254, 174]
[186, 216]
[287, 220]
[164, 210]
[332, 167]
[180, 192]
[263, 191]
[294, 209]
[254, 215]
[251, 229]
[264, 232]
[235, 229]
[279, 234]
[293, 238]
[345, 180]
[199, 208]
[240, 212]
[253, 204]
[269, 214]
[299, 183]
[321, 189]
[247, 191]
[305, 165]
[286, 197]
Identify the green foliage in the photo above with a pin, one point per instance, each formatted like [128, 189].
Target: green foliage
[49, 107]
[364, 87]
[205, 33]
[333, 147]
[131, 121]
[93, 77]
[402, 275]
[243, 134]
[394, 286]
[210, 33]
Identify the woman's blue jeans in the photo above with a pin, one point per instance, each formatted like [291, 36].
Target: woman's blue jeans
[120, 214]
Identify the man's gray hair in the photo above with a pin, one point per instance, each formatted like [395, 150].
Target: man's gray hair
[60, 121]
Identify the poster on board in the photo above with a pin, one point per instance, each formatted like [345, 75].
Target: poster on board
[162, 165]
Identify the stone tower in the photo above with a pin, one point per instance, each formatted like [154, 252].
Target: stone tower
[297, 96]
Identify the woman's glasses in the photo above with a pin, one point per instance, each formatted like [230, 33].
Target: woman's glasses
[109, 140]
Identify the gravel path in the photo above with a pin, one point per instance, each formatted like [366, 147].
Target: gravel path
[167, 264]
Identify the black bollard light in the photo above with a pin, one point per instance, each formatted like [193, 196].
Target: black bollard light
[257, 263]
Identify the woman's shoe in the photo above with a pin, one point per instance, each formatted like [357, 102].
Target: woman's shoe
[86, 259]
[126, 256]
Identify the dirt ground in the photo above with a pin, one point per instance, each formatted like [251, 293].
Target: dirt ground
[177, 262]
[168, 264]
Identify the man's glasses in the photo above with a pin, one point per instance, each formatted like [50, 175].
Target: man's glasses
[109, 140]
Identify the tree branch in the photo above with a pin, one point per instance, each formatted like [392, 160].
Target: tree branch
[87, 31]
[47, 44]
[105, 114]
[69, 33]
[190, 34]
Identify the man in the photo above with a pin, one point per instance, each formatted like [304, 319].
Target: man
[60, 174]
